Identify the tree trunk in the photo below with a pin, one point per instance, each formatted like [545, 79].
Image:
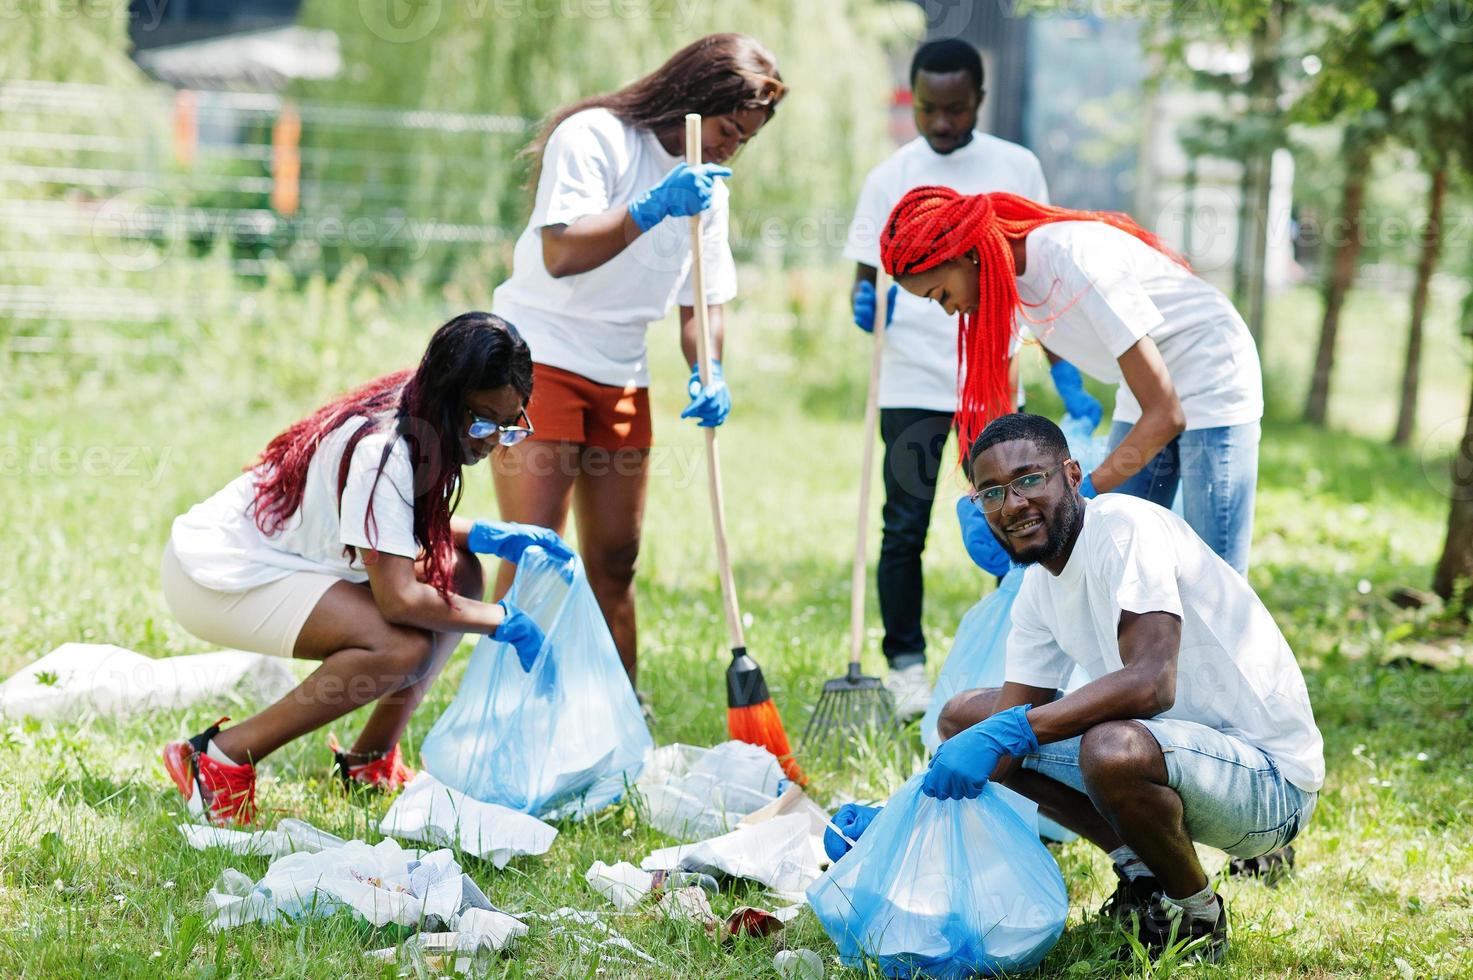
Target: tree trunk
[1345, 246]
[1264, 87]
[1457, 553]
[1406, 417]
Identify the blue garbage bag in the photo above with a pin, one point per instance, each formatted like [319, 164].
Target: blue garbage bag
[943, 889]
[561, 740]
[979, 653]
[1091, 450]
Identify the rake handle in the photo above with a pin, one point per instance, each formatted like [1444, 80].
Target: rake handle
[703, 361]
[866, 474]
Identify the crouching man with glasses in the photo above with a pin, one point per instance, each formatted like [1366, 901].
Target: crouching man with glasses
[1195, 725]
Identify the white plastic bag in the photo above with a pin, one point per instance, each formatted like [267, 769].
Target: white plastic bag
[693, 793]
[432, 812]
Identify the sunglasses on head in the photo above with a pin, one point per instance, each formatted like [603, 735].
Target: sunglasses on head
[507, 435]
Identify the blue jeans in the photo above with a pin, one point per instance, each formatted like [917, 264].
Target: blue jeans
[1218, 472]
[1233, 796]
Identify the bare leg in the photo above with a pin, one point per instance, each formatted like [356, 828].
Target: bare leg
[534, 485]
[1064, 805]
[1125, 774]
[609, 505]
[364, 658]
[390, 716]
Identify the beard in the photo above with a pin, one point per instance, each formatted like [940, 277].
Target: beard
[1061, 525]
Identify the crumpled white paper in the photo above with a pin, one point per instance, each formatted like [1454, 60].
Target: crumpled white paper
[777, 852]
[289, 837]
[622, 883]
[77, 681]
[692, 793]
[383, 883]
[430, 811]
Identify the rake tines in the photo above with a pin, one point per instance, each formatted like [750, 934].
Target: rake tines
[847, 706]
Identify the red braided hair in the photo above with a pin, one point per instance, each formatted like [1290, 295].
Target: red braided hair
[932, 225]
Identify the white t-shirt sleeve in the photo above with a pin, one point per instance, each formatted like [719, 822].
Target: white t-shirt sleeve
[1139, 567]
[870, 215]
[1108, 295]
[720, 266]
[579, 165]
[1034, 655]
[391, 526]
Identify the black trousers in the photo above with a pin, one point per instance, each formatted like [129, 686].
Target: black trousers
[914, 439]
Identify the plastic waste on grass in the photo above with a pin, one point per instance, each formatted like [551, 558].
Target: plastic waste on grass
[77, 681]
[561, 740]
[943, 889]
[693, 793]
[780, 853]
[430, 811]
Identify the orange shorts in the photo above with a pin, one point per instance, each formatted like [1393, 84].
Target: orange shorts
[568, 407]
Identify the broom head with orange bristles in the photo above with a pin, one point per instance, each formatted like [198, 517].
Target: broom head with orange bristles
[751, 715]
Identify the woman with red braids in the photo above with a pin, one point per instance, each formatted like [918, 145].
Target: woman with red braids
[1103, 293]
[338, 545]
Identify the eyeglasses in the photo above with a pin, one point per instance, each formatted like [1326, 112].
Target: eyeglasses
[507, 435]
[1027, 486]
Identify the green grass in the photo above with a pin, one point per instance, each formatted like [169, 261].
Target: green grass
[99, 457]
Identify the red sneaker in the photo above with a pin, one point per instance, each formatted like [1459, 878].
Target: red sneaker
[387, 773]
[226, 793]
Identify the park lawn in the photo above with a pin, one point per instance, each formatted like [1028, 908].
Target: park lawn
[95, 880]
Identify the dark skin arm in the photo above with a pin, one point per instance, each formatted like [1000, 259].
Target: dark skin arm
[1162, 419]
[406, 601]
[589, 242]
[716, 316]
[1145, 686]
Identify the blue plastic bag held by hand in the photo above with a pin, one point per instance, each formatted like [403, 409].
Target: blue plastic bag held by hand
[559, 740]
[979, 653]
[944, 889]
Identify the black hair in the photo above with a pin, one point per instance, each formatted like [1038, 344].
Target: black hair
[1046, 437]
[946, 56]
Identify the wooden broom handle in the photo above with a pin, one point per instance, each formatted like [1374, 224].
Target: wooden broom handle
[703, 360]
[866, 472]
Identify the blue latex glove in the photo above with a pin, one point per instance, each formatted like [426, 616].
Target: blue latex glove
[1087, 488]
[685, 191]
[864, 306]
[964, 762]
[852, 819]
[1077, 402]
[711, 404]
[508, 540]
[522, 632]
[982, 545]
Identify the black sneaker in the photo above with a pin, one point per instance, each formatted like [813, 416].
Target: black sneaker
[1161, 930]
[1270, 868]
[1129, 897]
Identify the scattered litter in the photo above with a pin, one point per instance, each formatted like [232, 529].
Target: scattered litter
[692, 793]
[432, 812]
[750, 921]
[561, 740]
[622, 883]
[289, 837]
[77, 681]
[798, 964]
[568, 919]
[691, 904]
[944, 888]
[684, 879]
[478, 930]
[778, 852]
[382, 884]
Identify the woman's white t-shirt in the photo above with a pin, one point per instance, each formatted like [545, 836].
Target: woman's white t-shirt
[1235, 671]
[1092, 291]
[220, 546]
[594, 323]
[918, 369]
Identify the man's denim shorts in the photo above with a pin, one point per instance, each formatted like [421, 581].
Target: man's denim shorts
[1233, 796]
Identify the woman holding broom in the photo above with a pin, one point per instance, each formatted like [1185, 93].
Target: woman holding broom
[339, 545]
[1105, 294]
[608, 250]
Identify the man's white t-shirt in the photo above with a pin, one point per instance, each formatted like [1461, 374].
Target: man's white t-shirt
[594, 323]
[1235, 672]
[919, 365]
[1091, 292]
[220, 546]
